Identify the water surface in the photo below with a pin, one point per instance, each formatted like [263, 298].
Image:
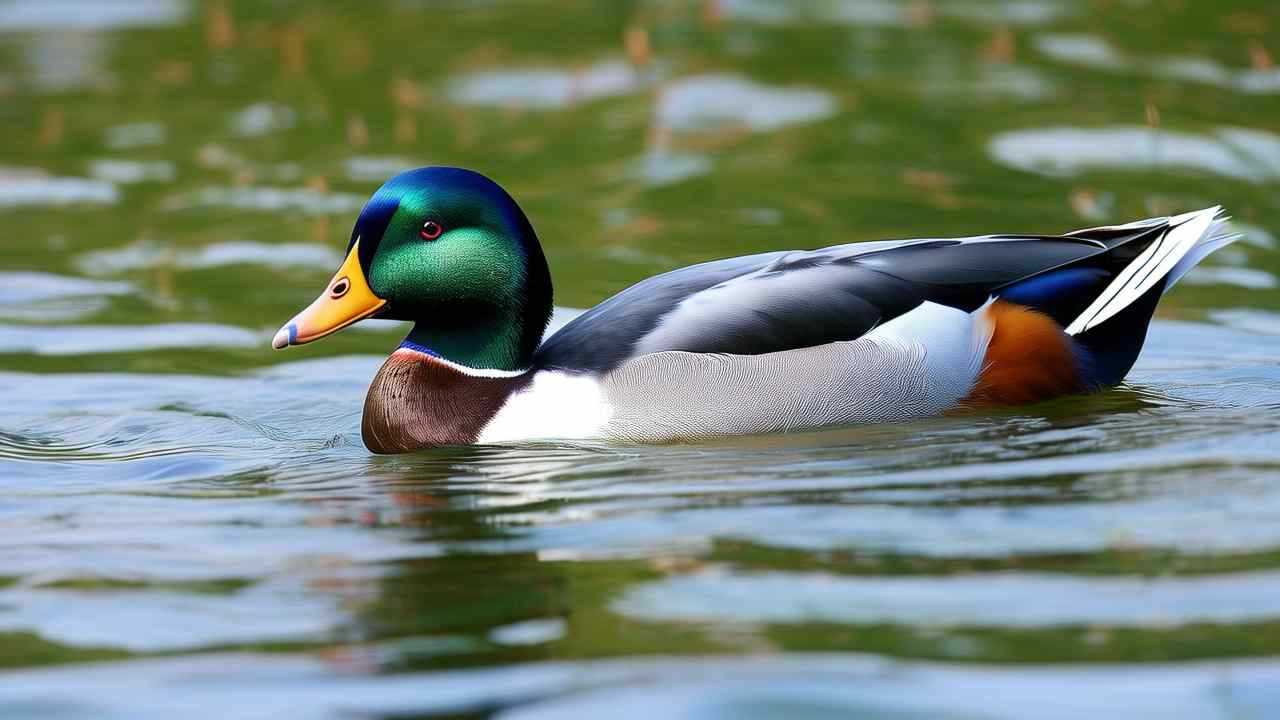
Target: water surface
[189, 517]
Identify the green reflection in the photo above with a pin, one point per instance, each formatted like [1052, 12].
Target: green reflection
[278, 119]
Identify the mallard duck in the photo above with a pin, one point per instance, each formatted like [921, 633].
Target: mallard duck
[866, 332]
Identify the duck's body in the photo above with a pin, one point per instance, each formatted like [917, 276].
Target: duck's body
[784, 341]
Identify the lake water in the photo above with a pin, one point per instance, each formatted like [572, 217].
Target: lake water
[189, 524]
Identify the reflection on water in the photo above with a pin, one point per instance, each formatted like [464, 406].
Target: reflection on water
[85, 339]
[891, 13]
[131, 171]
[244, 252]
[708, 101]
[187, 514]
[57, 15]
[1232, 152]
[969, 600]
[269, 199]
[1094, 52]
[262, 118]
[24, 187]
[545, 88]
[123, 137]
[45, 297]
[804, 685]
[1085, 50]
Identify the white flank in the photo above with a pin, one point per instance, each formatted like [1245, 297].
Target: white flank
[1190, 239]
[954, 344]
[555, 406]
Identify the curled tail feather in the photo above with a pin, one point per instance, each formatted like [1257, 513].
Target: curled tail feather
[1189, 239]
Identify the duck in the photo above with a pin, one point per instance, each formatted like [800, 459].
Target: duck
[775, 342]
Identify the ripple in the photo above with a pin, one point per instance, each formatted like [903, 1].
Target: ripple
[25, 187]
[132, 171]
[529, 632]
[67, 60]
[89, 339]
[714, 101]
[63, 15]
[891, 13]
[265, 198]
[133, 135]
[377, 168]
[27, 287]
[1248, 278]
[659, 167]
[981, 599]
[893, 525]
[1238, 153]
[1250, 81]
[1249, 320]
[1011, 81]
[45, 297]
[157, 620]
[241, 252]
[1085, 50]
[263, 118]
[1091, 51]
[706, 688]
[546, 88]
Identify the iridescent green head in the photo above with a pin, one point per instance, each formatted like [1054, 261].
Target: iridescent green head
[450, 250]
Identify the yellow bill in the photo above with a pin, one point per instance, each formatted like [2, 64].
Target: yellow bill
[346, 300]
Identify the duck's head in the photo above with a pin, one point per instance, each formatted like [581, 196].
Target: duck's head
[450, 250]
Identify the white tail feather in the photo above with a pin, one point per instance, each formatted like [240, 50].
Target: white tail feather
[1217, 237]
[1190, 239]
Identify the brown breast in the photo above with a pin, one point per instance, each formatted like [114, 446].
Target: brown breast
[416, 401]
[1029, 359]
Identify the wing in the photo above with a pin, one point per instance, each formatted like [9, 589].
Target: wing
[782, 301]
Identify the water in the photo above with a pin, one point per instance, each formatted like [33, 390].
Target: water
[189, 522]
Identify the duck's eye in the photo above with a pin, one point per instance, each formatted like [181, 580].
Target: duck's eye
[431, 230]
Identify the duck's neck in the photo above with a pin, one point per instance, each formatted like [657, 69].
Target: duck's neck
[491, 343]
[418, 400]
